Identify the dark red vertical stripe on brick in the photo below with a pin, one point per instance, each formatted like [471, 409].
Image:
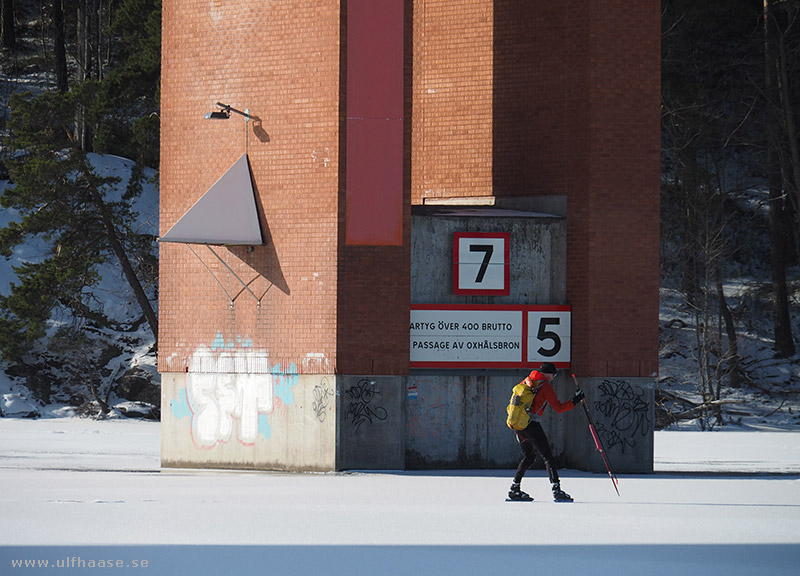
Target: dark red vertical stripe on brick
[374, 171]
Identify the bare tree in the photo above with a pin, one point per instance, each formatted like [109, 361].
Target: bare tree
[779, 119]
[709, 105]
[790, 14]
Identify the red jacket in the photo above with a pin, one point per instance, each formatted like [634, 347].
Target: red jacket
[547, 395]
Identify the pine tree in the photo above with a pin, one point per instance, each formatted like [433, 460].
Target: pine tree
[62, 201]
[127, 101]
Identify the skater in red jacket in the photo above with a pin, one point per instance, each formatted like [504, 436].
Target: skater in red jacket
[529, 398]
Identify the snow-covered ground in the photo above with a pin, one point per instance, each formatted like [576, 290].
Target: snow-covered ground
[78, 492]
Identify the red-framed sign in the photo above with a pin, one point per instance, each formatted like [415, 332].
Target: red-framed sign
[481, 263]
[486, 336]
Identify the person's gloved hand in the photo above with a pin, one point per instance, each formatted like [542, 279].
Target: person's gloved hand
[578, 397]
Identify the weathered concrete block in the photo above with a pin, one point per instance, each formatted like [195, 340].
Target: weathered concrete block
[248, 421]
[624, 412]
[370, 423]
[458, 421]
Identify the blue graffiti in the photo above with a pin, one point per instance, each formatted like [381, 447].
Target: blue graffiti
[219, 343]
[220, 403]
[284, 381]
[180, 406]
[264, 427]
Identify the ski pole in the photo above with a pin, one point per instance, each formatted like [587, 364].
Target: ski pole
[597, 442]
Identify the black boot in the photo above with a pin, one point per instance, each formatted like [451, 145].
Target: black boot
[516, 494]
[559, 495]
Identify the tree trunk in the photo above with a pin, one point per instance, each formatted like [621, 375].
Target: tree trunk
[122, 256]
[59, 47]
[84, 66]
[784, 343]
[784, 90]
[732, 354]
[690, 277]
[8, 35]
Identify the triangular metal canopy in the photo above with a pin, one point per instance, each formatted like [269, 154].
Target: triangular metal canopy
[225, 215]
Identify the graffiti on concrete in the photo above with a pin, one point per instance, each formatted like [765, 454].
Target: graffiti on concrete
[625, 414]
[222, 402]
[363, 406]
[322, 396]
[230, 396]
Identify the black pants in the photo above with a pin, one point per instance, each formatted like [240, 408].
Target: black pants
[533, 442]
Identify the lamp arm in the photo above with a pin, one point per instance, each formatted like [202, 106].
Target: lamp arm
[229, 109]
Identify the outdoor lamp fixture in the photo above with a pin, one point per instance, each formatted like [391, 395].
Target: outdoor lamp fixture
[225, 112]
[218, 115]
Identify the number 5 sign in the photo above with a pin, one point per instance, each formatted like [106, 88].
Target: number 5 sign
[549, 334]
[489, 335]
[480, 263]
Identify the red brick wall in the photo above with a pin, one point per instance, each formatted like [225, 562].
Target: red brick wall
[452, 92]
[533, 97]
[374, 281]
[511, 97]
[621, 250]
[280, 59]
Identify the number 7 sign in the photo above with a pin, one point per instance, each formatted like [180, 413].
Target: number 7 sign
[481, 263]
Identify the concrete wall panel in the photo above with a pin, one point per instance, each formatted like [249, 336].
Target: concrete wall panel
[248, 421]
[624, 412]
[371, 423]
[435, 424]
[537, 257]
[458, 421]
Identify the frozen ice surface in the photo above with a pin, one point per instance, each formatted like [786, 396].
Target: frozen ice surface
[76, 491]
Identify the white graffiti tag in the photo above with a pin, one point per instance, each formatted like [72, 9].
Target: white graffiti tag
[218, 401]
[221, 400]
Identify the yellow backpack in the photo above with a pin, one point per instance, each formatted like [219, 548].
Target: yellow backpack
[521, 399]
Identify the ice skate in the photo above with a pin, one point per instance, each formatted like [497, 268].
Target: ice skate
[559, 495]
[517, 495]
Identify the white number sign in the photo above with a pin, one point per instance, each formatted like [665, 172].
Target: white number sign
[480, 263]
[549, 334]
[486, 336]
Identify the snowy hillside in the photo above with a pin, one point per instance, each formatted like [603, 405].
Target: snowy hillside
[113, 292]
[769, 392]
